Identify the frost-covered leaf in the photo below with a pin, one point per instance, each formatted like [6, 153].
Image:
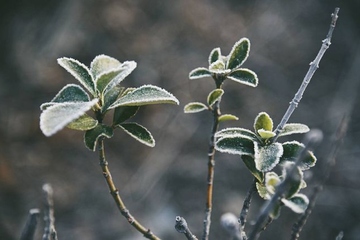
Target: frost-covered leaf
[83, 123]
[91, 136]
[102, 64]
[263, 121]
[104, 79]
[275, 212]
[238, 53]
[126, 68]
[215, 55]
[236, 131]
[250, 164]
[195, 107]
[200, 72]
[145, 95]
[110, 98]
[267, 157]
[295, 180]
[80, 72]
[292, 128]
[227, 117]
[218, 67]
[272, 180]
[292, 150]
[265, 134]
[124, 113]
[138, 132]
[298, 203]
[214, 96]
[57, 116]
[244, 76]
[235, 144]
[69, 93]
[261, 189]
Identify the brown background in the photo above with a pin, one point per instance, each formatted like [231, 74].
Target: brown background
[168, 39]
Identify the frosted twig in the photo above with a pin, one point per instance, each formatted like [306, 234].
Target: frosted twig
[314, 65]
[30, 226]
[182, 227]
[245, 208]
[49, 219]
[311, 139]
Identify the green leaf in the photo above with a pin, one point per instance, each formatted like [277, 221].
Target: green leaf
[267, 157]
[69, 93]
[272, 180]
[195, 107]
[292, 150]
[215, 55]
[124, 113]
[199, 73]
[138, 132]
[295, 180]
[292, 128]
[238, 53]
[298, 203]
[250, 164]
[104, 79]
[110, 98]
[102, 64]
[57, 116]
[83, 123]
[145, 95]
[126, 68]
[236, 131]
[218, 67]
[263, 121]
[214, 96]
[91, 136]
[227, 117]
[235, 144]
[265, 134]
[79, 71]
[244, 76]
[262, 191]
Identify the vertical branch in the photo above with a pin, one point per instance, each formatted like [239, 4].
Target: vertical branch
[211, 166]
[49, 219]
[182, 227]
[116, 196]
[314, 65]
[30, 226]
[246, 206]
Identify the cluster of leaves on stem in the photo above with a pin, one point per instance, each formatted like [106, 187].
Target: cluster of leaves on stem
[100, 92]
[261, 155]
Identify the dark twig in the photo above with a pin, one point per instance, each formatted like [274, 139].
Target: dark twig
[182, 227]
[314, 65]
[340, 134]
[246, 207]
[30, 226]
[311, 139]
[49, 231]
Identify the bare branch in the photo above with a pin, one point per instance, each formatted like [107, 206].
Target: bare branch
[49, 231]
[30, 226]
[182, 227]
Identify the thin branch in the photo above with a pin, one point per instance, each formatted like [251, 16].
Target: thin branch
[314, 65]
[211, 166]
[49, 219]
[30, 226]
[246, 207]
[116, 196]
[340, 134]
[311, 139]
[182, 227]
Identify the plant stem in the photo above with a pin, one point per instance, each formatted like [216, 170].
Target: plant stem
[182, 227]
[314, 65]
[31, 223]
[246, 206]
[49, 219]
[116, 196]
[211, 166]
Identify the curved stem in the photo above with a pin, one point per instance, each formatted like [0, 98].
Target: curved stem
[211, 166]
[116, 196]
[246, 206]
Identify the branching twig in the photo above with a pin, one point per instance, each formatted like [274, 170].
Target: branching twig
[340, 134]
[312, 138]
[49, 219]
[182, 227]
[314, 65]
[30, 226]
[116, 196]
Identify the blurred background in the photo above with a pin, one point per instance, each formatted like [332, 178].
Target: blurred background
[168, 39]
